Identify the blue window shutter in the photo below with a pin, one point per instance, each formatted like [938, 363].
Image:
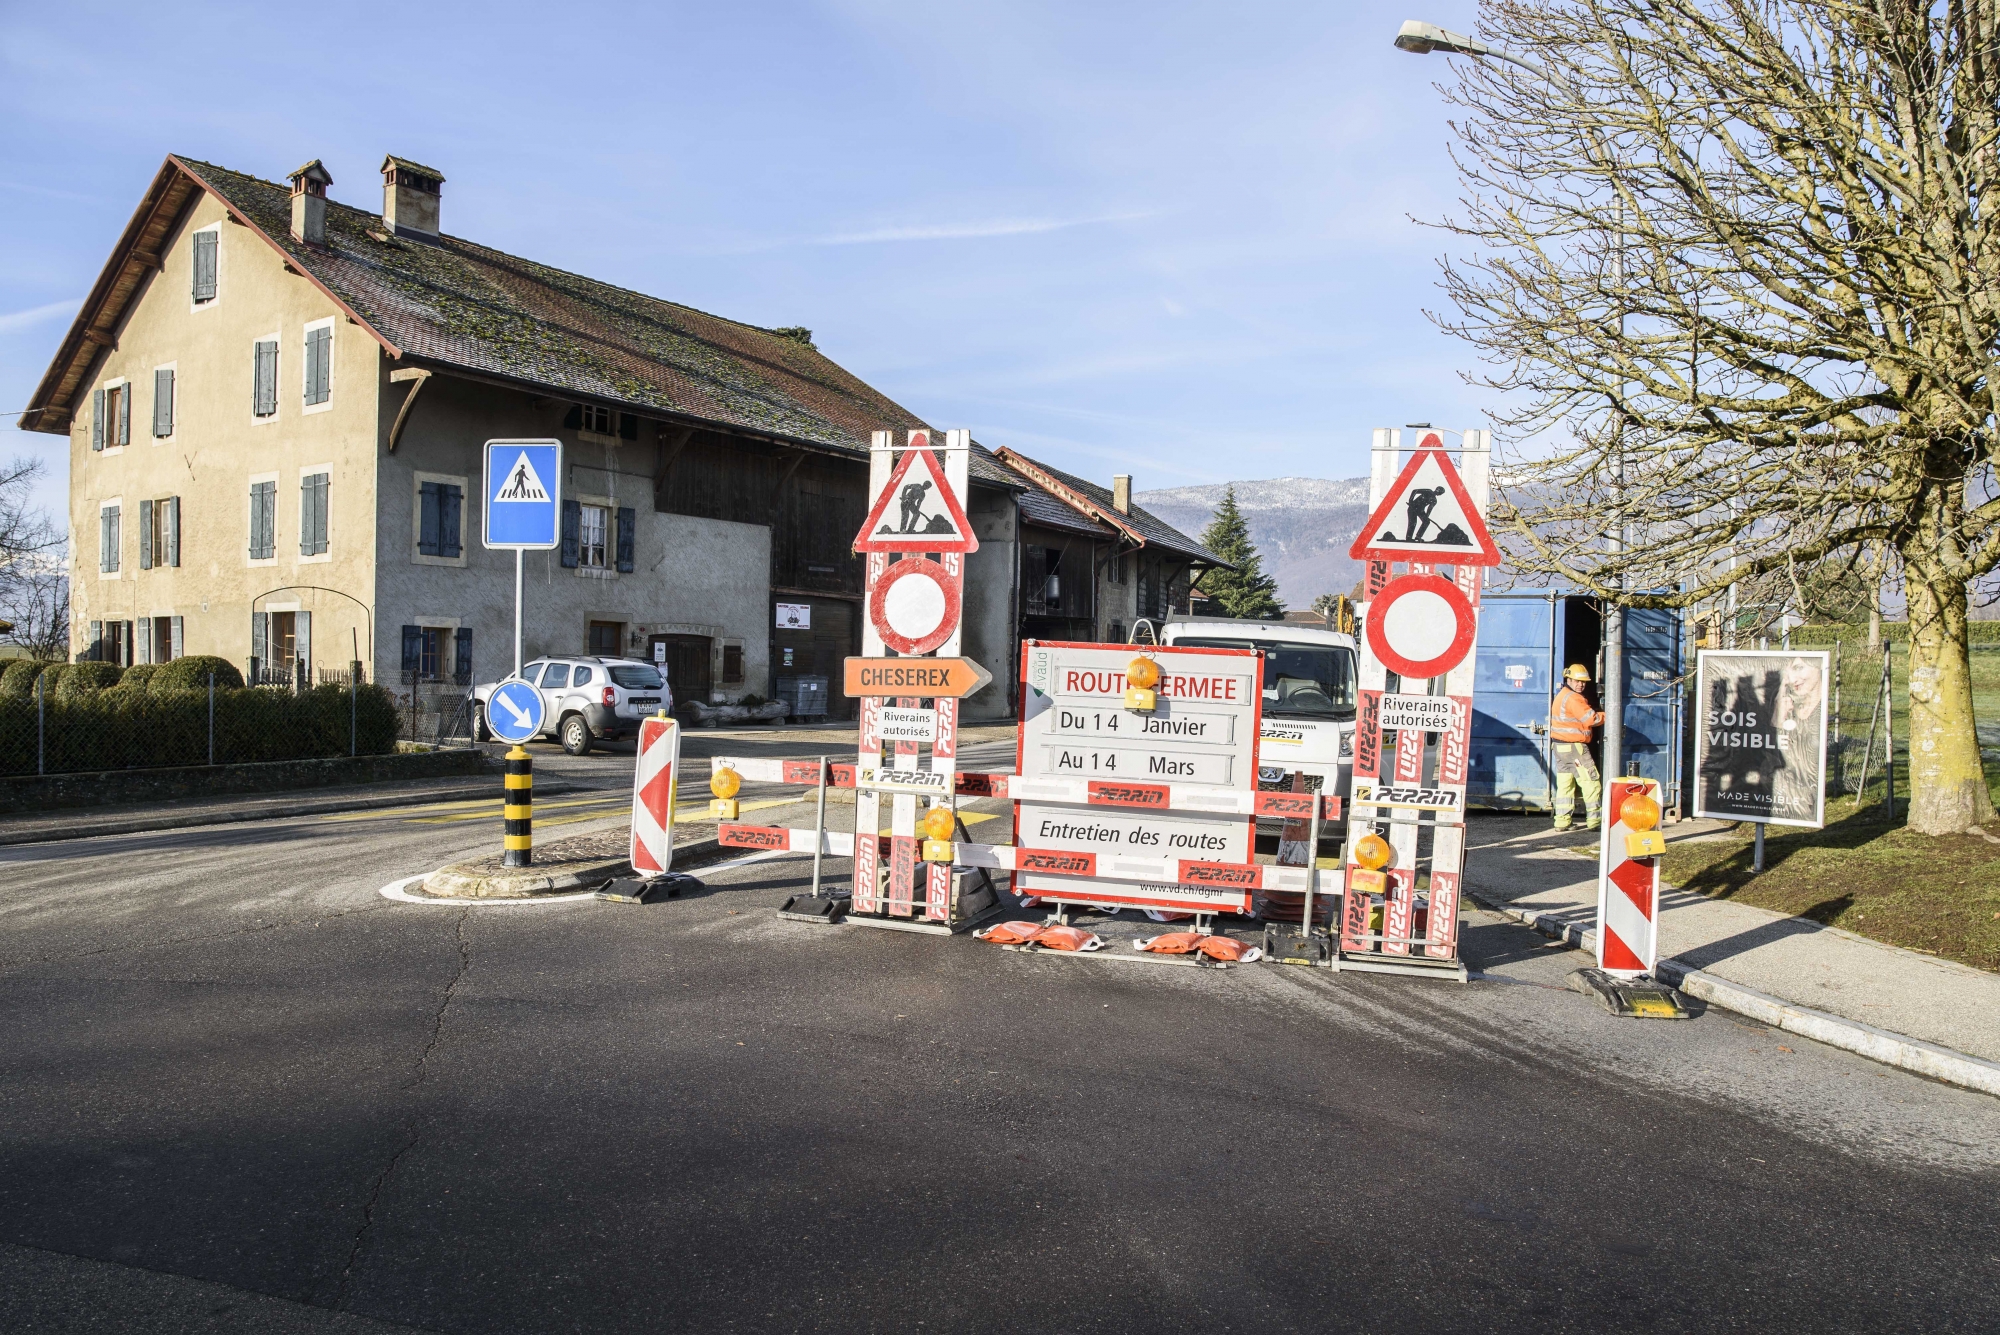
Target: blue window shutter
[94, 651]
[175, 649]
[125, 414]
[628, 520]
[427, 518]
[265, 391]
[163, 403]
[145, 535]
[573, 419]
[319, 372]
[260, 626]
[572, 532]
[413, 648]
[302, 640]
[143, 644]
[204, 266]
[96, 419]
[450, 504]
[628, 427]
[462, 654]
[173, 530]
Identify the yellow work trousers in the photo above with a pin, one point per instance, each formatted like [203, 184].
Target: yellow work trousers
[1576, 770]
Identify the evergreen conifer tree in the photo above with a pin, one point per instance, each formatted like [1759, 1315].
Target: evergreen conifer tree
[1245, 591]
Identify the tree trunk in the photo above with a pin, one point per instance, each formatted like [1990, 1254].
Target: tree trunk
[1947, 782]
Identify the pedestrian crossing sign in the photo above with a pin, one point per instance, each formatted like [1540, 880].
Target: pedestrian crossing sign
[1427, 516]
[523, 494]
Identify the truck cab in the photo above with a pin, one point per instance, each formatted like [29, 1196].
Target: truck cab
[1309, 684]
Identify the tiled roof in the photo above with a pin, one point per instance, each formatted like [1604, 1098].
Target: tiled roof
[1157, 532]
[1038, 507]
[461, 305]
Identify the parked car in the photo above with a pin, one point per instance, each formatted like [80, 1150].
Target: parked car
[586, 699]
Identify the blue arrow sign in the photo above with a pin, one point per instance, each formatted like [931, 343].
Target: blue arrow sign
[514, 711]
[523, 494]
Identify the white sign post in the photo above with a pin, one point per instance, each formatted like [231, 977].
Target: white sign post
[1204, 732]
[523, 509]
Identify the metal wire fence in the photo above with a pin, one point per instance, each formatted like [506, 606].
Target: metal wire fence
[62, 718]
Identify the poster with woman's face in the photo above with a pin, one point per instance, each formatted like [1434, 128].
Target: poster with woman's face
[1760, 736]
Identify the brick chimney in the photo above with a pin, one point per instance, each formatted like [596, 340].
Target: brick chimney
[1121, 493]
[410, 193]
[309, 185]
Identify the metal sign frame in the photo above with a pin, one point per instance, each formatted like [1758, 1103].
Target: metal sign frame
[545, 459]
[1707, 728]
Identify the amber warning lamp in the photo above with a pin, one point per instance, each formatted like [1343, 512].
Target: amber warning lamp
[725, 783]
[1142, 674]
[1372, 853]
[938, 823]
[1641, 817]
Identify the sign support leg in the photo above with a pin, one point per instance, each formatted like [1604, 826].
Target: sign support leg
[517, 611]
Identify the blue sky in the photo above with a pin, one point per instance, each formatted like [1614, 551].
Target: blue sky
[1171, 240]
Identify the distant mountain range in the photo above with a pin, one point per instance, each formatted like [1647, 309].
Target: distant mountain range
[1303, 526]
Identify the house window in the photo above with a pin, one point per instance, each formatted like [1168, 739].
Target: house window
[598, 420]
[264, 391]
[116, 646]
[1116, 570]
[160, 533]
[312, 514]
[604, 637]
[107, 539]
[438, 506]
[204, 265]
[263, 520]
[590, 542]
[319, 364]
[111, 417]
[163, 401]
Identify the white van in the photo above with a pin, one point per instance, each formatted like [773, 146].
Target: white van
[1309, 684]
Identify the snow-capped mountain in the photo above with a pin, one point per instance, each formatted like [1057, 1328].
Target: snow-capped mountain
[1302, 525]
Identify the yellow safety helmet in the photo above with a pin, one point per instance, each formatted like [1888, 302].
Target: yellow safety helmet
[1576, 672]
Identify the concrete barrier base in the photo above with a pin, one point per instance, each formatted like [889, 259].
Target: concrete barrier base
[562, 866]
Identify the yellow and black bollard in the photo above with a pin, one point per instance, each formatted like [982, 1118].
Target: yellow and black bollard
[519, 810]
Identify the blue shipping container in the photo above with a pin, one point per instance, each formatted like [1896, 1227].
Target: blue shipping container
[1526, 638]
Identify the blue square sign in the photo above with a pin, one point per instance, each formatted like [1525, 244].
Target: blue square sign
[523, 494]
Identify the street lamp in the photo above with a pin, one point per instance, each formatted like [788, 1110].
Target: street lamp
[1420, 39]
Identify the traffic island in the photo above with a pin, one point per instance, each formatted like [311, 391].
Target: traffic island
[563, 866]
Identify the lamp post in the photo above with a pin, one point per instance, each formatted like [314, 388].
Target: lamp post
[1419, 38]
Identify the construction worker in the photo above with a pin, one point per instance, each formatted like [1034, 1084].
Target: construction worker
[1570, 720]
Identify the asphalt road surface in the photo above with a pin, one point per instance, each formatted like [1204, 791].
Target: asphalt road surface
[242, 1091]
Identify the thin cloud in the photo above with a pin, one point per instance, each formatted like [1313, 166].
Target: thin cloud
[968, 231]
[34, 315]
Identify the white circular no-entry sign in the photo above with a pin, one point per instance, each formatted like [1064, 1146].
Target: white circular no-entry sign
[1421, 625]
[915, 606]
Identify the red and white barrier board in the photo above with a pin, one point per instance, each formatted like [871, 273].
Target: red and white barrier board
[1421, 626]
[1628, 890]
[1075, 730]
[653, 779]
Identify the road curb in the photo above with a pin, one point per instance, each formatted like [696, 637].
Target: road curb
[1881, 1045]
[182, 821]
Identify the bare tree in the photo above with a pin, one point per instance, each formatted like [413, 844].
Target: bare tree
[34, 579]
[1734, 264]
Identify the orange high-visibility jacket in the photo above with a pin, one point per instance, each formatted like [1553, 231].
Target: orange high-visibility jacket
[1572, 718]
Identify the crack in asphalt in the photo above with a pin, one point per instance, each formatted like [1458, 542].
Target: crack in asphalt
[413, 1124]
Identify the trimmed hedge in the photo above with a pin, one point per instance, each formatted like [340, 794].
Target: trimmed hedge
[142, 729]
[18, 681]
[192, 672]
[133, 682]
[87, 679]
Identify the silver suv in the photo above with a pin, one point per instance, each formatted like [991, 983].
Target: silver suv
[585, 699]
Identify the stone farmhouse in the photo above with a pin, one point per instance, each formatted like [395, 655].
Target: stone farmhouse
[276, 406]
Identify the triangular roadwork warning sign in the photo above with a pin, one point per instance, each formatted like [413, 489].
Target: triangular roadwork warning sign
[523, 483]
[917, 511]
[1427, 516]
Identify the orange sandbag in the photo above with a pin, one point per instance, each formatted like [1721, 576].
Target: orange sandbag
[1068, 938]
[1223, 948]
[1010, 933]
[1173, 943]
